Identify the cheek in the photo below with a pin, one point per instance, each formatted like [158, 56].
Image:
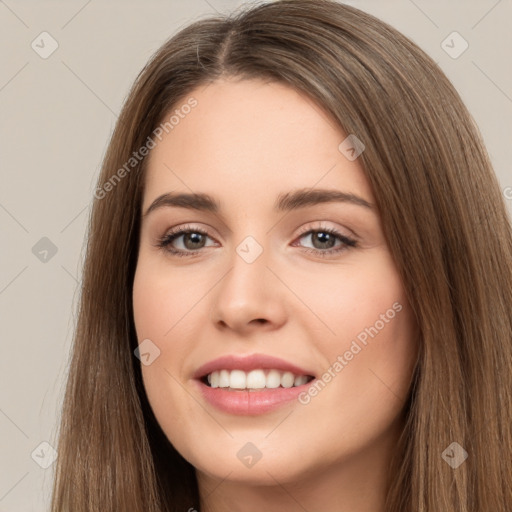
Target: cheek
[162, 298]
[155, 313]
[166, 305]
[174, 409]
[343, 301]
[367, 337]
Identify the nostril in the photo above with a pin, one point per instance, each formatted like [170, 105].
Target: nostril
[260, 320]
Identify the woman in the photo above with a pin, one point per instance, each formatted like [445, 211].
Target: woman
[297, 292]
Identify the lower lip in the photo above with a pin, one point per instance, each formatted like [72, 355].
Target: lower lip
[245, 402]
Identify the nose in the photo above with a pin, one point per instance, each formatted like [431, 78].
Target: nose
[249, 296]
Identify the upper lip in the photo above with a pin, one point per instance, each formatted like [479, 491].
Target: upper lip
[248, 363]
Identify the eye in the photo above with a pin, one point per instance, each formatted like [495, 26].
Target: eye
[190, 240]
[324, 239]
[193, 239]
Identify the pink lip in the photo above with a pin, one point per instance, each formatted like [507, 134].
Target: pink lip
[248, 363]
[245, 402]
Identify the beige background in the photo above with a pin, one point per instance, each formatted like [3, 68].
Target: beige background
[56, 118]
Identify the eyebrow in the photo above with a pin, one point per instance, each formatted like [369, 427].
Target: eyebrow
[288, 201]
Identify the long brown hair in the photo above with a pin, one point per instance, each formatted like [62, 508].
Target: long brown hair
[443, 216]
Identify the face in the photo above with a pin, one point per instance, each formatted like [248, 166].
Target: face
[279, 276]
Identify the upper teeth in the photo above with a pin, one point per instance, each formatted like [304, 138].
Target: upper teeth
[255, 379]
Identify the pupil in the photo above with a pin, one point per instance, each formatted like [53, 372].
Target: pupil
[196, 238]
[325, 238]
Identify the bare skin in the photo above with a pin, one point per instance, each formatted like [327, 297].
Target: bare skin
[302, 300]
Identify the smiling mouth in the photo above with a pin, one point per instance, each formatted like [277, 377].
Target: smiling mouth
[254, 380]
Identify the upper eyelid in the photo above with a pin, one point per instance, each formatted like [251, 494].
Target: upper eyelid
[304, 230]
[309, 227]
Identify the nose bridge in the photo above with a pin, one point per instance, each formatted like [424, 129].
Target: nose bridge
[248, 280]
[249, 291]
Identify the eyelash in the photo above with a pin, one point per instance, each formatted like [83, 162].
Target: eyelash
[165, 242]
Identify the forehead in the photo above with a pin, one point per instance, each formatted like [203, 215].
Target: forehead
[248, 139]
